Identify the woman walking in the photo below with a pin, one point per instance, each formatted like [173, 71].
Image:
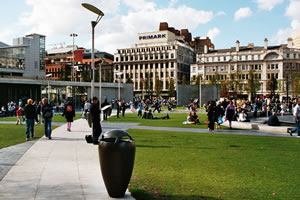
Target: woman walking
[69, 113]
[211, 114]
[230, 113]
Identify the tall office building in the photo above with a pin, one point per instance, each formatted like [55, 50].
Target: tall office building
[165, 54]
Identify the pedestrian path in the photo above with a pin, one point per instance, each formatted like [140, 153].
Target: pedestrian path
[65, 167]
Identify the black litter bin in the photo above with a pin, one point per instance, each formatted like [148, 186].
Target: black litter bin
[116, 155]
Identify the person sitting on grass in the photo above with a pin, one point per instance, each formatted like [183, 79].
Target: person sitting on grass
[149, 115]
[195, 118]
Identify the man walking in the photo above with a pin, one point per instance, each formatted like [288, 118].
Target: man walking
[95, 114]
[30, 114]
[47, 113]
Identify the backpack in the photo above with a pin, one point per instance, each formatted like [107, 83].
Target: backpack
[69, 108]
[48, 114]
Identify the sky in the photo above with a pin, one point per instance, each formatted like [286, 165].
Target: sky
[224, 21]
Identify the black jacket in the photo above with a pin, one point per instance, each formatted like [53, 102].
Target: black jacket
[95, 113]
[47, 108]
[69, 112]
[273, 121]
[30, 112]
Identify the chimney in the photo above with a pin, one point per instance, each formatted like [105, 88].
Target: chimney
[237, 46]
[205, 48]
[266, 43]
[290, 43]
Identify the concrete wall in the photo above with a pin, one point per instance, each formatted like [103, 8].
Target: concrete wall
[186, 92]
[126, 92]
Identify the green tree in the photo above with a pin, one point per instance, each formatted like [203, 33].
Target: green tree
[183, 80]
[158, 86]
[171, 89]
[147, 84]
[253, 84]
[272, 85]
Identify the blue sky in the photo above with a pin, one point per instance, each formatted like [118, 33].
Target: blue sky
[224, 21]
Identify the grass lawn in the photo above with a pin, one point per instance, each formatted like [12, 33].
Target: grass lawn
[190, 166]
[12, 134]
[56, 118]
[175, 120]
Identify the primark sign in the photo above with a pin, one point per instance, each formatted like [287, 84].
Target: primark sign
[154, 36]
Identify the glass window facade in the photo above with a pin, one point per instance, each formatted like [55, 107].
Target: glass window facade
[13, 58]
[42, 52]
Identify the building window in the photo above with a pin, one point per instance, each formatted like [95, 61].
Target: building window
[224, 58]
[246, 57]
[252, 57]
[258, 57]
[232, 67]
[194, 69]
[288, 55]
[240, 57]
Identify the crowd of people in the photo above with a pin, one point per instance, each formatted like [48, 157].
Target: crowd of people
[237, 110]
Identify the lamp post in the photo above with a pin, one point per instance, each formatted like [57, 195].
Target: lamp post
[48, 76]
[100, 81]
[119, 91]
[94, 23]
[73, 71]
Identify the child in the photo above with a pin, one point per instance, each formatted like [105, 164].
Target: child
[19, 116]
[69, 113]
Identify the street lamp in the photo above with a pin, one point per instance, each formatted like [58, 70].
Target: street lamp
[48, 76]
[73, 71]
[119, 76]
[94, 23]
[100, 81]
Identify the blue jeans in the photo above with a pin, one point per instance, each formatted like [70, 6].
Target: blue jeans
[298, 126]
[47, 124]
[29, 126]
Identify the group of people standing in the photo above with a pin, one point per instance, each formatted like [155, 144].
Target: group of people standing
[31, 114]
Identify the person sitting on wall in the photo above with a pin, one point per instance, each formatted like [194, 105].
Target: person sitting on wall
[273, 120]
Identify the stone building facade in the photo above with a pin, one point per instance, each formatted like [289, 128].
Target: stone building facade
[232, 67]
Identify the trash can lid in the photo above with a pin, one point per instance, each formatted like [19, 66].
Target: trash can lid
[117, 134]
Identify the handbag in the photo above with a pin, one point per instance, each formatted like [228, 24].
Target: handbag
[220, 120]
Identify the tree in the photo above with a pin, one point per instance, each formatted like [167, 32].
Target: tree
[158, 86]
[129, 80]
[171, 89]
[253, 84]
[147, 84]
[183, 80]
[272, 85]
[295, 82]
[224, 87]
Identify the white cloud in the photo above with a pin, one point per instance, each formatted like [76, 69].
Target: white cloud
[268, 4]
[213, 33]
[172, 3]
[58, 18]
[221, 13]
[282, 35]
[124, 32]
[140, 5]
[242, 13]
[292, 11]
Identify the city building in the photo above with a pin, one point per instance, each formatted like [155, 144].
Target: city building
[248, 70]
[157, 58]
[25, 58]
[59, 63]
[21, 64]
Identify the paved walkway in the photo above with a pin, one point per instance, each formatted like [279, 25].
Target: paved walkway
[65, 167]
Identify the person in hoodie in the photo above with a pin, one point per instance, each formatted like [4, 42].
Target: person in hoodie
[47, 113]
[69, 113]
[30, 115]
[95, 114]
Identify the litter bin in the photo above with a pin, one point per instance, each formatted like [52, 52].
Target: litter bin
[116, 154]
